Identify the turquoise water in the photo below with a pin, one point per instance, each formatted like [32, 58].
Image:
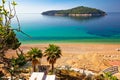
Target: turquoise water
[50, 29]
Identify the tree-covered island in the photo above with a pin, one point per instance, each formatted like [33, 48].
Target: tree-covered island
[77, 11]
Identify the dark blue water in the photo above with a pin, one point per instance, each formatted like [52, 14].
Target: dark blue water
[69, 29]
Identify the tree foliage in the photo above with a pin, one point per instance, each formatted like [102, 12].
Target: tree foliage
[15, 63]
[81, 10]
[19, 61]
[109, 76]
[33, 54]
[52, 52]
[8, 39]
[105, 76]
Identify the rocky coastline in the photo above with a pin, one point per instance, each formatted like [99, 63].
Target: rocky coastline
[78, 15]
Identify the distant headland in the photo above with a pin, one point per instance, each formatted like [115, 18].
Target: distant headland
[77, 11]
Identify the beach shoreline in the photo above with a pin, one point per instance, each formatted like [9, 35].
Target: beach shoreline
[94, 57]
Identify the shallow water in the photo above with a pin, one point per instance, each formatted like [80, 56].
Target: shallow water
[47, 29]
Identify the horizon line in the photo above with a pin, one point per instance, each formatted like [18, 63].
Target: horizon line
[49, 10]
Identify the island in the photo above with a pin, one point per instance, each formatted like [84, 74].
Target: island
[77, 11]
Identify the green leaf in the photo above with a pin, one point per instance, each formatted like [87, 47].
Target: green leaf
[14, 3]
[0, 6]
[3, 1]
[5, 12]
[11, 16]
[1, 19]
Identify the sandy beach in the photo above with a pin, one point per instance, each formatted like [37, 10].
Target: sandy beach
[92, 56]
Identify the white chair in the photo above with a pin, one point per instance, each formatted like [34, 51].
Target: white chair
[50, 77]
[40, 76]
[37, 76]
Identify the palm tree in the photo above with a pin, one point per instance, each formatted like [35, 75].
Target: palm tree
[33, 54]
[52, 52]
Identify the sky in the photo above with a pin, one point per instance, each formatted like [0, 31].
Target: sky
[39, 6]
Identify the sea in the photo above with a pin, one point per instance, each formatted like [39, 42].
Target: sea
[63, 29]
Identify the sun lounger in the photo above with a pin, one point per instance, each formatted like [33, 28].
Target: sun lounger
[41, 76]
[37, 76]
[112, 70]
[50, 77]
